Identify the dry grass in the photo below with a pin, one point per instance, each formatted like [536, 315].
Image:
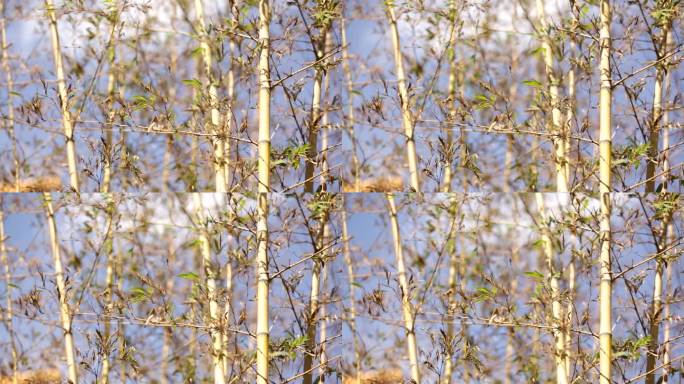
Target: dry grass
[38, 184]
[43, 376]
[380, 184]
[384, 376]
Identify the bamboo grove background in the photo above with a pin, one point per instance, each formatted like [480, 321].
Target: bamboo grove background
[312, 191]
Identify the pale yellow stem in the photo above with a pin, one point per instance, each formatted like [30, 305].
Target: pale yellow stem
[667, 348]
[350, 103]
[67, 122]
[218, 141]
[264, 166]
[8, 291]
[451, 92]
[109, 290]
[409, 320]
[556, 310]
[352, 292]
[315, 118]
[210, 276]
[9, 123]
[407, 120]
[64, 311]
[557, 124]
[605, 144]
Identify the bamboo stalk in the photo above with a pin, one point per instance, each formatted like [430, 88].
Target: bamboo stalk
[552, 83]
[111, 84]
[325, 128]
[165, 353]
[210, 276]
[8, 288]
[510, 340]
[510, 140]
[218, 142]
[227, 311]
[669, 234]
[662, 84]
[63, 97]
[352, 291]
[666, 121]
[230, 115]
[569, 118]
[311, 322]
[264, 166]
[315, 118]
[64, 311]
[556, 310]
[407, 121]
[409, 320]
[655, 126]
[667, 319]
[451, 306]
[168, 147]
[654, 317]
[349, 121]
[121, 330]
[462, 276]
[167, 337]
[109, 289]
[9, 124]
[323, 367]
[605, 135]
[451, 92]
[314, 301]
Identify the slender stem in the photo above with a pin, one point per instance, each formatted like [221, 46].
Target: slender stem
[8, 290]
[556, 309]
[9, 123]
[218, 141]
[64, 310]
[264, 166]
[210, 276]
[605, 136]
[352, 292]
[409, 321]
[557, 124]
[67, 122]
[407, 120]
[349, 121]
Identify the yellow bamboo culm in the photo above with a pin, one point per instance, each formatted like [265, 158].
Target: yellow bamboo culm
[556, 309]
[451, 91]
[605, 144]
[264, 166]
[232, 49]
[10, 96]
[667, 345]
[63, 97]
[352, 291]
[407, 121]
[669, 234]
[452, 288]
[655, 123]
[662, 75]
[556, 121]
[349, 121]
[218, 141]
[409, 320]
[7, 318]
[109, 289]
[64, 311]
[217, 350]
[111, 84]
[315, 119]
